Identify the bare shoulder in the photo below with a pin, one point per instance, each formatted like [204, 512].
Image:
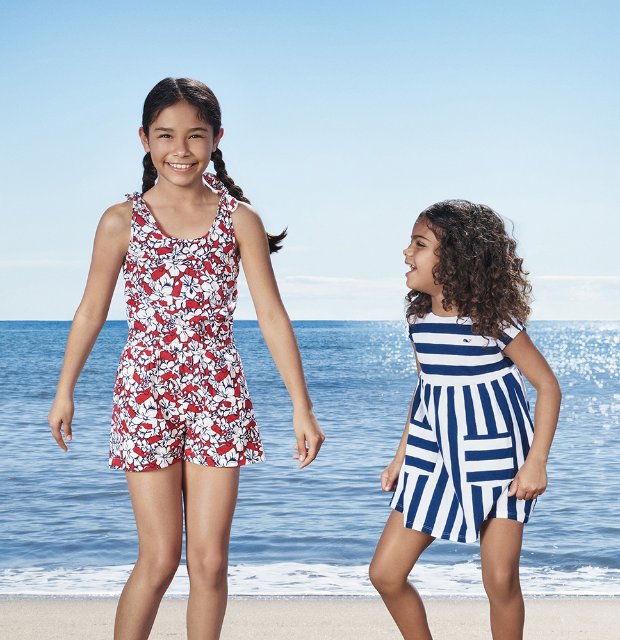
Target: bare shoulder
[247, 222]
[246, 215]
[116, 220]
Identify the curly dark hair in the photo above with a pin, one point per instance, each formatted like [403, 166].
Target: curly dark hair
[478, 268]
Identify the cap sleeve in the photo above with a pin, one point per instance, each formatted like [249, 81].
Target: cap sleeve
[509, 332]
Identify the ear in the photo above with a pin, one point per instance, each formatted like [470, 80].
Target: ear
[217, 139]
[144, 140]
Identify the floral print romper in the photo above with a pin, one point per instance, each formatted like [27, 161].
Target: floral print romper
[180, 392]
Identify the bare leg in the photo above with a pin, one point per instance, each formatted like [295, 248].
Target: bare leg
[500, 549]
[157, 503]
[397, 552]
[210, 497]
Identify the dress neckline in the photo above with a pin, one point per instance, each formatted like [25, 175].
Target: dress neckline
[213, 183]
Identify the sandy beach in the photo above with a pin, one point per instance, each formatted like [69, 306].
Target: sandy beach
[310, 619]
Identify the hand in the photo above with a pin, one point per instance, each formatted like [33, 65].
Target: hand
[309, 435]
[530, 481]
[390, 474]
[60, 416]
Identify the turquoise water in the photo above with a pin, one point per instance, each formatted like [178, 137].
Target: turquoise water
[66, 519]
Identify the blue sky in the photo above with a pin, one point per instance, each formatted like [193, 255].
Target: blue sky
[342, 121]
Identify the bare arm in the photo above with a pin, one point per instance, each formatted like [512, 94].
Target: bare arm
[276, 328]
[531, 480]
[109, 249]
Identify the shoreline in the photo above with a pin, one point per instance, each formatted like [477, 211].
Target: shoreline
[313, 596]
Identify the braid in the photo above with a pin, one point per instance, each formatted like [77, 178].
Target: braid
[150, 173]
[220, 171]
[275, 241]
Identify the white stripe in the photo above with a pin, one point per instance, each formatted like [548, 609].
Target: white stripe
[502, 441]
[473, 340]
[481, 425]
[488, 465]
[456, 360]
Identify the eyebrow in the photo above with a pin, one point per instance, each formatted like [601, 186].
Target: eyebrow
[170, 129]
[419, 236]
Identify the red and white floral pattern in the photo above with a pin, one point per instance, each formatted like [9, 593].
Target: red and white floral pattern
[180, 392]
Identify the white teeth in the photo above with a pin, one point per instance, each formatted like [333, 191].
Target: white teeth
[180, 166]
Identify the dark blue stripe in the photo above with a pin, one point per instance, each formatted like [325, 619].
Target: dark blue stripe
[529, 504]
[423, 425]
[433, 507]
[476, 498]
[415, 499]
[470, 414]
[427, 396]
[512, 507]
[416, 400]
[399, 503]
[486, 436]
[490, 454]
[497, 492]
[438, 327]
[453, 445]
[500, 396]
[428, 445]
[455, 349]
[419, 463]
[451, 517]
[487, 408]
[519, 400]
[454, 370]
[462, 530]
[485, 476]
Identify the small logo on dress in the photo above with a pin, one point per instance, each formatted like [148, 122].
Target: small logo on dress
[466, 339]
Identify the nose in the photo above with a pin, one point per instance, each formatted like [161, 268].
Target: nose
[182, 149]
[407, 251]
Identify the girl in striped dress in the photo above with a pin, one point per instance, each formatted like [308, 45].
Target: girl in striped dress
[470, 463]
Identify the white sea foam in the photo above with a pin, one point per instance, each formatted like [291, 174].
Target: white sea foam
[289, 579]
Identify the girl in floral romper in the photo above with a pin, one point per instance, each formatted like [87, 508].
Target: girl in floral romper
[180, 394]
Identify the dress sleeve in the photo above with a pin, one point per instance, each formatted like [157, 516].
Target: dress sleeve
[510, 331]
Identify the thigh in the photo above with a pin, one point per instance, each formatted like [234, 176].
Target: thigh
[399, 548]
[158, 507]
[210, 495]
[500, 544]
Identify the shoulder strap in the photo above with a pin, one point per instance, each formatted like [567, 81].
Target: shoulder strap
[212, 180]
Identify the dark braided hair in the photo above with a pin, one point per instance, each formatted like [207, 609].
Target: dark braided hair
[168, 92]
[480, 273]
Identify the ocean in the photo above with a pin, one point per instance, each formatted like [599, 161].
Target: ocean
[67, 528]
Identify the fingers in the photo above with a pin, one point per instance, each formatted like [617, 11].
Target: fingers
[302, 452]
[513, 487]
[524, 492]
[55, 426]
[314, 445]
[388, 480]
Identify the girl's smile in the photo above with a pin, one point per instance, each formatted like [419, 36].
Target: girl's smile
[181, 167]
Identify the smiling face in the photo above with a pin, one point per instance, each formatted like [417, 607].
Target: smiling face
[422, 256]
[180, 143]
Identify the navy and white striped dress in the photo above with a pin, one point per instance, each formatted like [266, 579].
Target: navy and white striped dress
[469, 431]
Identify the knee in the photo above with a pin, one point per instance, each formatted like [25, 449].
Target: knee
[209, 568]
[159, 568]
[384, 579]
[501, 584]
